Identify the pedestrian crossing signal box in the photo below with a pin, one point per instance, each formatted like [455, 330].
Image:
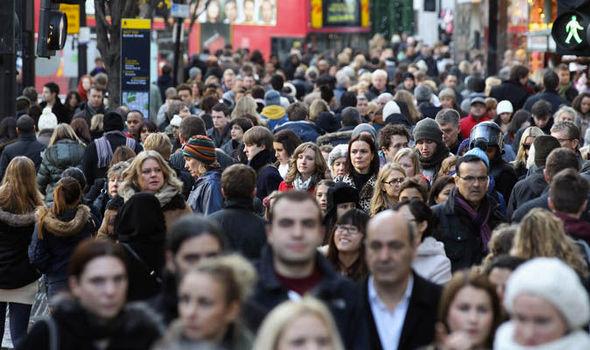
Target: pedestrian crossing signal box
[52, 27]
[571, 28]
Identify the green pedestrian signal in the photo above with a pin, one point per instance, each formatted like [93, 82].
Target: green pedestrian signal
[572, 28]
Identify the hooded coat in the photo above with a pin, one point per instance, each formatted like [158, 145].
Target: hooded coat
[58, 157]
[431, 261]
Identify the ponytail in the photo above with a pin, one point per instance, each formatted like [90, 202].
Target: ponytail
[66, 195]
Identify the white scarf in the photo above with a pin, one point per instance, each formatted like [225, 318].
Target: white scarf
[301, 185]
[576, 340]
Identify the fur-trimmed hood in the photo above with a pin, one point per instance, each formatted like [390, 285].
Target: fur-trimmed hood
[60, 228]
[17, 220]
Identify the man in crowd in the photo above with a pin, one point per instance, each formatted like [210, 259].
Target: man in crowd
[515, 88]
[470, 214]
[93, 106]
[51, 100]
[26, 145]
[392, 138]
[448, 121]
[400, 307]
[549, 93]
[258, 149]
[220, 132]
[568, 199]
[291, 266]
[299, 123]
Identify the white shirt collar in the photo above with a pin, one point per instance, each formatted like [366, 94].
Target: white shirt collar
[374, 297]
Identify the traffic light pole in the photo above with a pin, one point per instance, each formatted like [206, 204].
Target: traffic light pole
[7, 60]
[28, 42]
[492, 59]
[179, 23]
[82, 47]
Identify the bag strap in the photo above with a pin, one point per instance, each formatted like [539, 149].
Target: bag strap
[150, 271]
[52, 329]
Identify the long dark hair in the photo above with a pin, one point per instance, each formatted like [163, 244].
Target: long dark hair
[358, 270]
[374, 167]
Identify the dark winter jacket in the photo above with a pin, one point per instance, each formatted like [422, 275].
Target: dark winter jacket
[52, 247]
[205, 197]
[237, 337]
[220, 138]
[512, 91]
[462, 239]
[421, 317]
[550, 96]
[57, 158]
[245, 231]
[15, 236]
[268, 178]
[26, 145]
[86, 112]
[526, 189]
[338, 293]
[335, 138]
[504, 177]
[306, 130]
[90, 162]
[134, 328]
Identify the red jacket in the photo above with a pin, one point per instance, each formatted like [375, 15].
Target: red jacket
[285, 187]
[467, 123]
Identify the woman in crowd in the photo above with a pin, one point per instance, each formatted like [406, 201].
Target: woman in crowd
[149, 172]
[245, 105]
[408, 99]
[441, 189]
[210, 298]
[520, 121]
[299, 324]
[94, 315]
[582, 106]
[387, 187]
[470, 312]
[201, 161]
[100, 204]
[58, 231]
[337, 160]
[64, 150]
[501, 242]
[413, 188]
[72, 102]
[81, 130]
[542, 234]
[362, 166]
[321, 194]
[306, 168]
[524, 146]
[548, 306]
[407, 158]
[148, 127]
[84, 84]
[504, 112]
[19, 197]
[285, 142]
[346, 248]
[431, 261]
[235, 147]
[448, 166]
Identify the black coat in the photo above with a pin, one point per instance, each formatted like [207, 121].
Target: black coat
[504, 177]
[26, 145]
[462, 239]
[133, 329]
[550, 96]
[90, 160]
[63, 114]
[526, 189]
[268, 178]
[512, 91]
[338, 293]
[244, 229]
[421, 317]
[15, 236]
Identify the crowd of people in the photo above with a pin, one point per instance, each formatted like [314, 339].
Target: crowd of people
[388, 199]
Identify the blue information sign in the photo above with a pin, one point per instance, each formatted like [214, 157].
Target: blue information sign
[135, 64]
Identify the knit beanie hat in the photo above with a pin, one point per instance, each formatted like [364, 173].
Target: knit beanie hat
[554, 281]
[47, 120]
[428, 129]
[543, 145]
[364, 127]
[504, 107]
[272, 97]
[200, 148]
[390, 108]
[113, 121]
[423, 93]
[479, 153]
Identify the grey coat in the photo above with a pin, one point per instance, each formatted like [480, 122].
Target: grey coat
[57, 158]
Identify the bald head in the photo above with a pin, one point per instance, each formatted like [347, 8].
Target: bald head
[389, 221]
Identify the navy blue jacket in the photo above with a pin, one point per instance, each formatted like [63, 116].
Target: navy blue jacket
[550, 96]
[26, 145]
[268, 178]
[306, 130]
[206, 198]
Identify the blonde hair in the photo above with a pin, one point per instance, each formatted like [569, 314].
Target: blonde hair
[63, 131]
[490, 83]
[282, 316]
[96, 122]
[19, 192]
[531, 131]
[407, 98]
[410, 153]
[541, 234]
[447, 164]
[245, 105]
[317, 106]
[133, 172]
[319, 162]
[159, 142]
[380, 201]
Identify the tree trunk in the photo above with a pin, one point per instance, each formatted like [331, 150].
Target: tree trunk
[108, 40]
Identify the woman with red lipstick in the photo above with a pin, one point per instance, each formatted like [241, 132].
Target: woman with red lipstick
[306, 168]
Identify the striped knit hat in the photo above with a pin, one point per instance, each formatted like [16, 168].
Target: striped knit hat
[200, 148]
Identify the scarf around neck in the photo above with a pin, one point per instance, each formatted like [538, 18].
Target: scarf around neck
[301, 185]
[479, 217]
[441, 153]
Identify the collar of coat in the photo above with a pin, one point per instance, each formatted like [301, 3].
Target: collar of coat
[17, 220]
[61, 228]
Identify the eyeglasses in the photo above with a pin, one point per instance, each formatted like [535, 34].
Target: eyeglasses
[351, 230]
[392, 182]
[472, 179]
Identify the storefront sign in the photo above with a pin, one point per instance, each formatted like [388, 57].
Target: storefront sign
[135, 64]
